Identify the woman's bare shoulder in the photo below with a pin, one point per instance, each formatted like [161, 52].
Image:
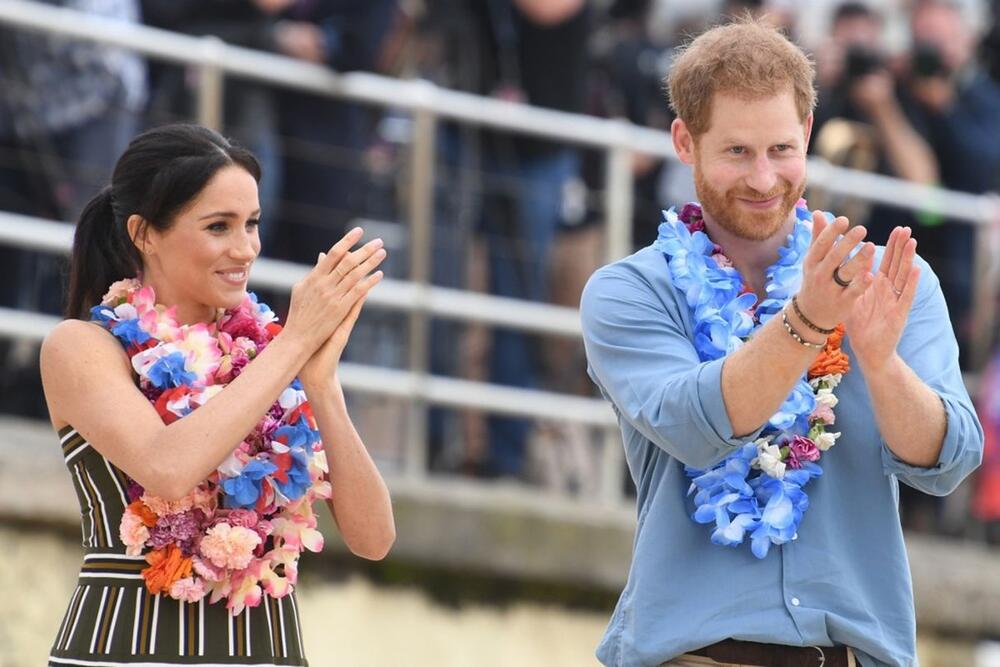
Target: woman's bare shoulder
[75, 355]
[76, 339]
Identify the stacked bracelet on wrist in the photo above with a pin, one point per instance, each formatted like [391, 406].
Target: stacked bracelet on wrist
[795, 334]
[806, 321]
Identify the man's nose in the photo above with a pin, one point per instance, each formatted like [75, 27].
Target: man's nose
[762, 177]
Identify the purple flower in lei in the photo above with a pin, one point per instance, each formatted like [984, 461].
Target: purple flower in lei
[736, 495]
[182, 528]
[801, 451]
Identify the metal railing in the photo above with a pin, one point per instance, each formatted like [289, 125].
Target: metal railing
[428, 105]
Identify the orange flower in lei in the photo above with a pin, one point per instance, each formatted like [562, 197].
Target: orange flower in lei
[832, 360]
[165, 567]
[140, 509]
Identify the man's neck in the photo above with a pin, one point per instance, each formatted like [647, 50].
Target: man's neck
[750, 258]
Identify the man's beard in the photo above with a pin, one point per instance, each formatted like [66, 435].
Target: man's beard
[723, 208]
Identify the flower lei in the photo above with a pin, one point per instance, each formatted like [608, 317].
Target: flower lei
[758, 489]
[240, 532]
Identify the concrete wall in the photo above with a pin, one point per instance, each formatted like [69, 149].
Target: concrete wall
[457, 528]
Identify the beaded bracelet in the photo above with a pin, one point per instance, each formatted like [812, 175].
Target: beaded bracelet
[806, 321]
[795, 334]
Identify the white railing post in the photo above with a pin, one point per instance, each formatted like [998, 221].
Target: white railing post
[421, 209]
[618, 192]
[618, 186]
[211, 80]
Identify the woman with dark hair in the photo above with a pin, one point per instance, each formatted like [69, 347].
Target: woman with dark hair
[195, 468]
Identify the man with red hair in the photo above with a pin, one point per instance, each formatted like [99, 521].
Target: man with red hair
[731, 348]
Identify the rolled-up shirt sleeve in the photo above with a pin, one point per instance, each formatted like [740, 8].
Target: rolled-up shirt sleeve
[643, 361]
[928, 346]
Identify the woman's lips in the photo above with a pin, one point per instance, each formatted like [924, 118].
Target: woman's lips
[235, 277]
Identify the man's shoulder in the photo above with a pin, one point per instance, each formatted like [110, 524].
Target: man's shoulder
[640, 278]
[645, 269]
[646, 261]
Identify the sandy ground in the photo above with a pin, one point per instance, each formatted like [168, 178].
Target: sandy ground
[357, 624]
[345, 623]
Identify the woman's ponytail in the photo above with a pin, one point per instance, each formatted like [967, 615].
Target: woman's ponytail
[102, 254]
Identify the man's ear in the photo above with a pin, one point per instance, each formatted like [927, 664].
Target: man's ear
[138, 231]
[683, 141]
[809, 130]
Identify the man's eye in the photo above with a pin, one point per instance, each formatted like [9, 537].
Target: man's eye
[737, 150]
[781, 148]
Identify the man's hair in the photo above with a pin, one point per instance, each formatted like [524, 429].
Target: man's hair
[747, 59]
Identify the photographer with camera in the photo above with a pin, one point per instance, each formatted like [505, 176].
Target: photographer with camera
[955, 107]
[858, 90]
[932, 117]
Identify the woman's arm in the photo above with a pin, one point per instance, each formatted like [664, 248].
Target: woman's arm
[89, 384]
[360, 503]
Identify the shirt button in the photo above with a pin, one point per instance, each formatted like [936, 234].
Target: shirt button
[795, 602]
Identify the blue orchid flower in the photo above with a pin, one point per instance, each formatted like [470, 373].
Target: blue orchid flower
[130, 333]
[243, 490]
[103, 315]
[298, 476]
[169, 371]
[795, 410]
[262, 308]
[298, 434]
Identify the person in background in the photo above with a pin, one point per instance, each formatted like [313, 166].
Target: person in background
[323, 139]
[67, 110]
[857, 90]
[250, 112]
[989, 48]
[533, 52]
[954, 105]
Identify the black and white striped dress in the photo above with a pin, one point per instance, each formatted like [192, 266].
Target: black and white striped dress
[111, 618]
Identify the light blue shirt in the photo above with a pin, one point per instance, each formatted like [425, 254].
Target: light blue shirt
[846, 579]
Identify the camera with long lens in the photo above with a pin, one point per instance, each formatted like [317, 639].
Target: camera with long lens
[926, 62]
[860, 61]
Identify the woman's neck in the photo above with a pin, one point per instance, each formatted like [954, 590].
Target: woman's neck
[187, 312]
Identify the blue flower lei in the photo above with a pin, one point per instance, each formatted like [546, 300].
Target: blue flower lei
[758, 489]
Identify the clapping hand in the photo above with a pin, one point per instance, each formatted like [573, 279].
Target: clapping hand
[355, 271]
[876, 321]
[825, 301]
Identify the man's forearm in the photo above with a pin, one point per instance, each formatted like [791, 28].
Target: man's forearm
[909, 414]
[757, 378]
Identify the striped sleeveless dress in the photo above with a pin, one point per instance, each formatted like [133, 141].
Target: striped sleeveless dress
[112, 620]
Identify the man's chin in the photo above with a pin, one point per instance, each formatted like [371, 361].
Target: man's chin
[753, 225]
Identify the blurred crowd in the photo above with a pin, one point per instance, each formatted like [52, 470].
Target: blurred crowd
[907, 89]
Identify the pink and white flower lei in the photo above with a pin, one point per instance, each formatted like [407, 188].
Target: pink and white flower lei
[240, 532]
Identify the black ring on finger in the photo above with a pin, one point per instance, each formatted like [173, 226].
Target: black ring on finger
[839, 280]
